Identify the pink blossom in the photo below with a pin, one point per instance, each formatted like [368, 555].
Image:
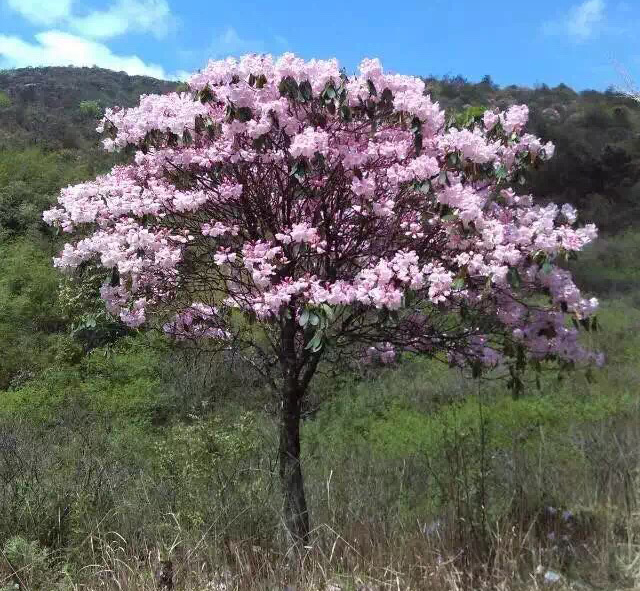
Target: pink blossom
[490, 120]
[309, 142]
[515, 118]
[277, 185]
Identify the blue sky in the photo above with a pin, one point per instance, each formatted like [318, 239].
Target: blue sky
[526, 42]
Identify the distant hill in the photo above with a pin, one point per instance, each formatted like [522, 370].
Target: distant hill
[57, 107]
[597, 134]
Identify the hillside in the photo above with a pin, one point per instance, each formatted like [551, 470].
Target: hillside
[42, 106]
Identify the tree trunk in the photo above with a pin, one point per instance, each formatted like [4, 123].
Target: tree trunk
[296, 513]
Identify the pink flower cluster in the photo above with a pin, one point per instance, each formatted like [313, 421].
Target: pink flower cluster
[198, 321]
[178, 113]
[308, 142]
[277, 184]
[513, 119]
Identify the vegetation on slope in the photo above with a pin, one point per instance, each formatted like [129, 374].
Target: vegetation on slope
[57, 107]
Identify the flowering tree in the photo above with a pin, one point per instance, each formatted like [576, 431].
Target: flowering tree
[289, 213]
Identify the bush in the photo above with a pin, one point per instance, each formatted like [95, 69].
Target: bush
[30, 316]
[90, 109]
[28, 562]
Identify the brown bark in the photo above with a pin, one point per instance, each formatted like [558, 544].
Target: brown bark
[296, 513]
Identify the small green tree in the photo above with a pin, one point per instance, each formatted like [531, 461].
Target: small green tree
[5, 101]
[91, 109]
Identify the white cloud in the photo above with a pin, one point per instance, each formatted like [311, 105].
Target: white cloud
[55, 48]
[581, 23]
[181, 75]
[230, 43]
[123, 16]
[585, 18]
[42, 12]
[136, 16]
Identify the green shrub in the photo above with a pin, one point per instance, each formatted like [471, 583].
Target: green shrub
[31, 321]
[215, 468]
[90, 109]
[29, 563]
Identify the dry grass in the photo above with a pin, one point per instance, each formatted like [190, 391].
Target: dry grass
[356, 560]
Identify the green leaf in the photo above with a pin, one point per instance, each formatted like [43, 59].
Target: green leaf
[243, 114]
[345, 112]
[299, 170]
[314, 319]
[289, 87]
[304, 318]
[387, 96]
[205, 95]
[315, 344]
[458, 283]
[417, 142]
[501, 172]
[329, 93]
[305, 90]
[514, 277]
[547, 267]
[261, 81]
